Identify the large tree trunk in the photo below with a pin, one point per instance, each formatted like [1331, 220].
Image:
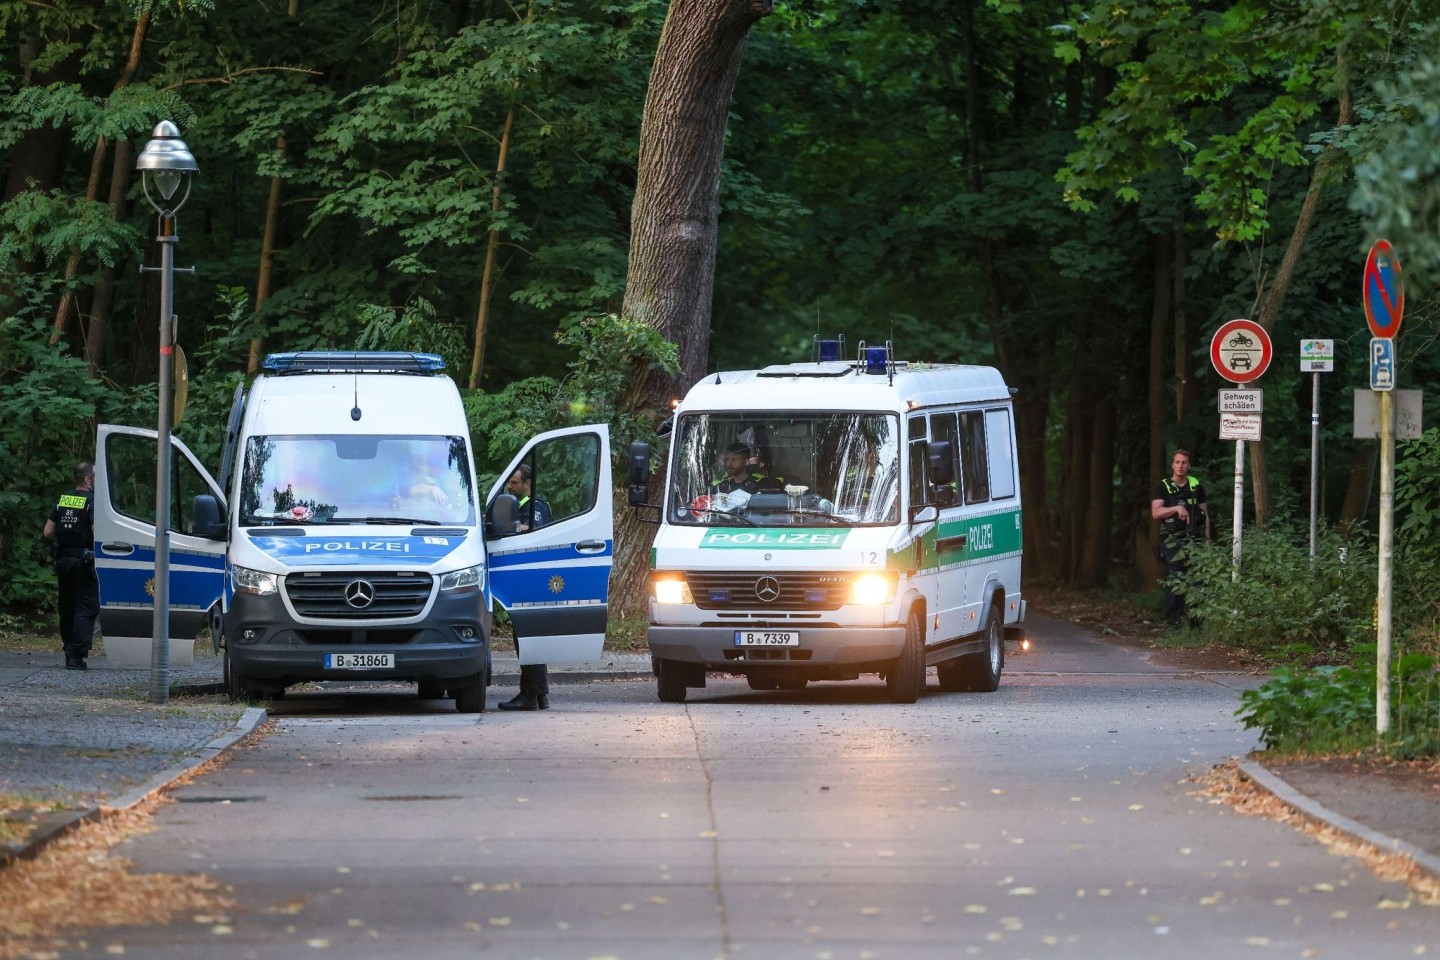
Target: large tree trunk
[1147, 568]
[103, 301]
[1093, 568]
[267, 256]
[1362, 479]
[674, 218]
[1075, 485]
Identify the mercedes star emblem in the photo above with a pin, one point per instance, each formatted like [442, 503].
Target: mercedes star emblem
[767, 589]
[360, 594]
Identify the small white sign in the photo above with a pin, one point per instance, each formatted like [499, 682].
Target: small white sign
[1240, 426]
[1382, 364]
[1317, 356]
[1408, 406]
[1242, 401]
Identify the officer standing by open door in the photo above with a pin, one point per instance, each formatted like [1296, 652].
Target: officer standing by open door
[71, 526]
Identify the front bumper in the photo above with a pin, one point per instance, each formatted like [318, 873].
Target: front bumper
[851, 648]
[265, 643]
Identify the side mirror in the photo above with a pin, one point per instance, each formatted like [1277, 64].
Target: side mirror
[502, 518]
[207, 519]
[925, 514]
[638, 476]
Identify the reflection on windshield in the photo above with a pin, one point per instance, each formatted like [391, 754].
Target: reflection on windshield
[798, 469]
[356, 479]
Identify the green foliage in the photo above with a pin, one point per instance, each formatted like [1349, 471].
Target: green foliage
[1332, 709]
[1416, 604]
[1284, 603]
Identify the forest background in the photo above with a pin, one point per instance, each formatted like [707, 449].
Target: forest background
[1077, 193]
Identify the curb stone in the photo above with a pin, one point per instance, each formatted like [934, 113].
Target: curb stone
[54, 826]
[1287, 794]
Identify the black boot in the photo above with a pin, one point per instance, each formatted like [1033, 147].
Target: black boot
[534, 690]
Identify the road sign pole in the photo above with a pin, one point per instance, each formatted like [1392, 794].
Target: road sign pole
[1314, 460]
[1239, 508]
[1387, 560]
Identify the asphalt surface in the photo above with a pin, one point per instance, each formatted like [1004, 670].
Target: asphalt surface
[87, 742]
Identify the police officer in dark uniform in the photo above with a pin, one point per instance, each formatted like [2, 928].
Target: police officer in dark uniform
[1179, 504]
[72, 528]
[534, 513]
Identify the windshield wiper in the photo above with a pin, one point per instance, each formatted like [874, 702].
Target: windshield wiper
[821, 514]
[259, 521]
[729, 516]
[381, 521]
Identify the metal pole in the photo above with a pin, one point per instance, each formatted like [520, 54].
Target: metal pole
[160, 637]
[1239, 507]
[1314, 461]
[1387, 558]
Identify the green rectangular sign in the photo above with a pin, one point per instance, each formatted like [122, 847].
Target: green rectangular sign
[773, 539]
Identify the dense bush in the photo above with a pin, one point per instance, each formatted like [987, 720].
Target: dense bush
[1333, 709]
[1284, 602]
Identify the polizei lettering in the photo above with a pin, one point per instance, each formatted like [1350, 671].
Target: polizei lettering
[775, 539]
[359, 546]
[980, 538]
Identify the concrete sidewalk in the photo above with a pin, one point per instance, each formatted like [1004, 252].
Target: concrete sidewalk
[80, 743]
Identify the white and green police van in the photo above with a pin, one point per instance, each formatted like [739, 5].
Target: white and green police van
[345, 538]
[879, 532]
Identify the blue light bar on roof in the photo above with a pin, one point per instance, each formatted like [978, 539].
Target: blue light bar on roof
[353, 361]
[876, 359]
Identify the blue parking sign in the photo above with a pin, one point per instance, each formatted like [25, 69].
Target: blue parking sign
[1382, 363]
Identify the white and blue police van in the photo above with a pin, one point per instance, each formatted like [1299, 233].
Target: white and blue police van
[876, 526]
[345, 538]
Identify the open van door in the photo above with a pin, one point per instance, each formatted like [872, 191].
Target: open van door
[125, 537]
[550, 547]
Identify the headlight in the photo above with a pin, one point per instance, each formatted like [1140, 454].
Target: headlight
[671, 588]
[254, 581]
[463, 581]
[873, 588]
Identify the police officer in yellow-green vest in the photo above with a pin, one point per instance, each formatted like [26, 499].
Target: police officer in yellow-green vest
[71, 527]
[1179, 504]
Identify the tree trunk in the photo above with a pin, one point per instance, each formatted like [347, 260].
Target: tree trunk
[1093, 569]
[267, 256]
[1075, 491]
[673, 221]
[1275, 298]
[104, 298]
[1357, 491]
[1146, 566]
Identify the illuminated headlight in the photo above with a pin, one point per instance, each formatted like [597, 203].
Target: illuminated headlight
[671, 589]
[254, 581]
[463, 581]
[873, 588]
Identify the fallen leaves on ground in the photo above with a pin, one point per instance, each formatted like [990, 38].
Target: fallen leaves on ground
[1227, 783]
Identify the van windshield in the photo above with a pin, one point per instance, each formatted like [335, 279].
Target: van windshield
[319, 479]
[786, 469]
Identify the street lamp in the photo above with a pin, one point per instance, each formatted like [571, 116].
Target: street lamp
[164, 164]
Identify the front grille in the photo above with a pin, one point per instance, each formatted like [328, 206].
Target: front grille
[322, 595]
[798, 590]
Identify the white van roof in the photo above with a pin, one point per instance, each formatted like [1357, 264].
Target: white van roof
[844, 386]
[389, 403]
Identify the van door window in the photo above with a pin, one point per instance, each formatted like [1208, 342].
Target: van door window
[1002, 454]
[973, 457]
[131, 462]
[915, 432]
[565, 479]
[943, 426]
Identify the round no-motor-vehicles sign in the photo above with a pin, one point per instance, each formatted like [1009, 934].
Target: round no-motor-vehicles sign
[1241, 350]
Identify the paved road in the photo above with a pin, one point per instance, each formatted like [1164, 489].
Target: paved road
[1052, 818]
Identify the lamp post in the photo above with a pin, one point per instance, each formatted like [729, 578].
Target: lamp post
[164, 163]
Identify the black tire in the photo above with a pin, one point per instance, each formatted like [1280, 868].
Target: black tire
[431, 689]
[670, 681]
[980, 671]
[906, 676]
[469, 694]
[234, 687]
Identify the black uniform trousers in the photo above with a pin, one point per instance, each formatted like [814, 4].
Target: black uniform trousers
[1168, 555]
[79, 605]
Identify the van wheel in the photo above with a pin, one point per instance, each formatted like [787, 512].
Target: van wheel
[469, 694]
[234, 689]
[906, 676]
[980, 671]
[670, 681]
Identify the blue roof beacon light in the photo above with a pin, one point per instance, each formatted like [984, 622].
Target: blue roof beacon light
[342, 361]
[829, 351]
[877, 360]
